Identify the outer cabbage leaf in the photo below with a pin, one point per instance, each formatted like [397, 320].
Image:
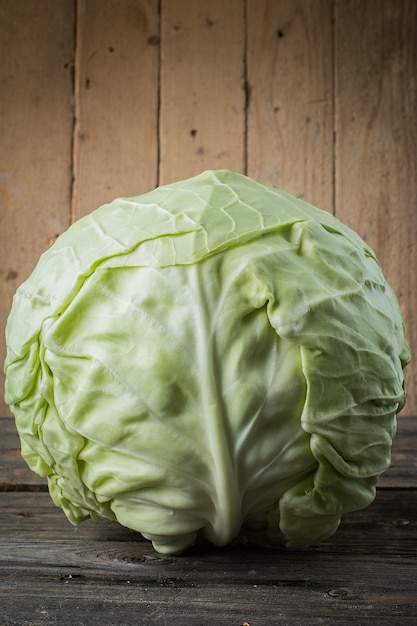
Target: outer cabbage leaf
[211, 360]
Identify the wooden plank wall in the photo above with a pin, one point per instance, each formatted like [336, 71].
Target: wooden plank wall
[36, 122]
[103, 98]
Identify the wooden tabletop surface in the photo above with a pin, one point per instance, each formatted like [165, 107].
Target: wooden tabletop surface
[102, 573]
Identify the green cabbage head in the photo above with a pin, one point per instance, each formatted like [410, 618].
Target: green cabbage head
[214, 360]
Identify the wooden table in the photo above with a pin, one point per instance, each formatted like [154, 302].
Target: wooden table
[101, 573]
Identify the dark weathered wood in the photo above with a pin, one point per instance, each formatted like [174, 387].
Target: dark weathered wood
[34, 523]
[15, 475]
[100, 573]
[403, 470]
[70, 599]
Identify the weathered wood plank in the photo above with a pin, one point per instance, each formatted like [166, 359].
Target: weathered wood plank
[116, 92]
[202, 87]
[15, 475]
[290, 80]
[81, 601]
[403, 470]
[36, 118]
[376, 137]
[379, 594]
[99, 573]
[34, 524]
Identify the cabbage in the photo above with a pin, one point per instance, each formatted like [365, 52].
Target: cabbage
[214, 361]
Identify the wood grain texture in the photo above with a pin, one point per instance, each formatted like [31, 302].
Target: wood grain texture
[14, 472]
[99, 573]
[116, 94]
[316, 98]
[290, 82]
[36, 116]
[202, 118]
[66, 598]
[376, 137]
[29, 517]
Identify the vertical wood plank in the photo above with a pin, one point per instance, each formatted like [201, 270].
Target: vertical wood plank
[376, 138]
[202, 87]
[290, 78]
[116, 145]
[36, 120]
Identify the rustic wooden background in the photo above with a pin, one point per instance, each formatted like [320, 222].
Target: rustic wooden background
[108, 98]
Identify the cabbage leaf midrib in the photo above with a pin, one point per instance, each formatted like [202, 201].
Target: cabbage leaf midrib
[225, 487]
